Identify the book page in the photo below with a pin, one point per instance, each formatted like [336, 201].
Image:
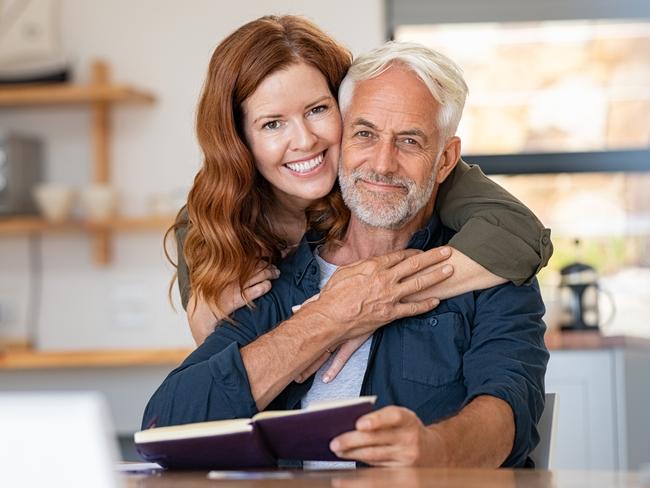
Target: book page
[188, 431]
[316, 406]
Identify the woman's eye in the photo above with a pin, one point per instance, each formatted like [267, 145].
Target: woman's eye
[273, 124]
[318, 110]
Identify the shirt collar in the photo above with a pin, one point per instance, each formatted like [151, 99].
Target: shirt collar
[427, 236]
[300, 261]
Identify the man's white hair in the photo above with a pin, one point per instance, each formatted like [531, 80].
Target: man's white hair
[441, 75]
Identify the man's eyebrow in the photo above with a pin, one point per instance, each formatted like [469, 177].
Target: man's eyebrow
[409, 132]
[413, 132]
[277, 116]
[364, 122]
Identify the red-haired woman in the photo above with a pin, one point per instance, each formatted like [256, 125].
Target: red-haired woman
[269, 127]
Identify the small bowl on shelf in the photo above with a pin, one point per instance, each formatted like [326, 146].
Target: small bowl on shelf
[98, 201]
[54, 201]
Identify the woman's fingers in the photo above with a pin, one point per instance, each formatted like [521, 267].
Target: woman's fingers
[268, 273]
[315, 366]
[259, 284]
[295, 308]
[254, 292]
[342, 355]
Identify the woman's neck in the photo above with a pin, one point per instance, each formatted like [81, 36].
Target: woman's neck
[289, 221]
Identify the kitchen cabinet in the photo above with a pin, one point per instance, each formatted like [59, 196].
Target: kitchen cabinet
[603, 385]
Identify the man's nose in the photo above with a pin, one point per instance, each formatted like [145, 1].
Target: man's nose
[303, 138]
[384, 160]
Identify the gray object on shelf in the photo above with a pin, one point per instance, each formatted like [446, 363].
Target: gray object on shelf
[21, 167]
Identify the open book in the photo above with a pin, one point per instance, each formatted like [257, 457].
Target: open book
[257, 442]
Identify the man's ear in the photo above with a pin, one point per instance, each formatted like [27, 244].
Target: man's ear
[448, 159]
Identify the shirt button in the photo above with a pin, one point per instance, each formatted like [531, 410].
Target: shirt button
[434, 322]
[313, 270]
[545, 240]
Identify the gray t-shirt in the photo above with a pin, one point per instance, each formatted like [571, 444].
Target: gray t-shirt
[347, 383]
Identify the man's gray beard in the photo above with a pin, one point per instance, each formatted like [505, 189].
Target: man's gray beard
[389, 214]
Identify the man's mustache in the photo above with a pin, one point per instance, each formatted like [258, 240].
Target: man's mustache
[373, 177]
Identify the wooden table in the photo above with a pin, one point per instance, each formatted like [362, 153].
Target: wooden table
[405, 477]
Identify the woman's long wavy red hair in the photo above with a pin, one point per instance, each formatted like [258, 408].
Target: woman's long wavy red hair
[229, 228]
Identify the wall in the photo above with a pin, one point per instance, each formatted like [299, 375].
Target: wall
[163, 46]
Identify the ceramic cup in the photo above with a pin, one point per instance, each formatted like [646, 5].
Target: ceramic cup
[54, 200]
[98, 201]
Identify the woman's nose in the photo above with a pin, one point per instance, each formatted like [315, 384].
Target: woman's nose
[304, 137]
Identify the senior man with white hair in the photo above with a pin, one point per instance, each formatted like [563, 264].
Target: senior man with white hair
[460, 385]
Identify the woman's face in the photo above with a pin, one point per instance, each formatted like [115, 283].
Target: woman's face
[293, 128]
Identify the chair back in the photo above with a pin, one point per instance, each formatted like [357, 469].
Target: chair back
[542, 455]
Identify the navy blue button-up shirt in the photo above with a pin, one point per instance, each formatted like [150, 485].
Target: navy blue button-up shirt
[488, 342]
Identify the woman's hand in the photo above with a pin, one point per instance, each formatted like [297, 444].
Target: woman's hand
[203, 318]
[341, 356]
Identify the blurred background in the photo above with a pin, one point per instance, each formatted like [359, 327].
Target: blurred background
[94, 165]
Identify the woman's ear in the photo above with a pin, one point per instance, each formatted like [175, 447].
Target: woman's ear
[448, 159]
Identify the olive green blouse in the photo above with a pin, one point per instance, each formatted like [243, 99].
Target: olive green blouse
[493, 228]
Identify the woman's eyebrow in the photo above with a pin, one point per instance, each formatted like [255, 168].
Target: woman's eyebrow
[318, 100]
[277, 116]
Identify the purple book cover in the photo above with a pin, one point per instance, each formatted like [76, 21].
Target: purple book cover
[229, 451]
[306, 436]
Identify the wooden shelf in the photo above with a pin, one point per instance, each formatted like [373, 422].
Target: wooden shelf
[64, 94]
[31, 360]
[33, 225]
[99, 95]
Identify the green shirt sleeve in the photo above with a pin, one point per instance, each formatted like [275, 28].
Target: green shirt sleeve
[183, 273]
[493, 228]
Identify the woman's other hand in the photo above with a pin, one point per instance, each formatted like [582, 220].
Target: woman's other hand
[341, 356]
[422, 275]
[203, 319]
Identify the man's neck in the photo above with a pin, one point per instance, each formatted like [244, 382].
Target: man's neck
[362, 241]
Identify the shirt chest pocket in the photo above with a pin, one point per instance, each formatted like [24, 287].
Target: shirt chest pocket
[432, 348]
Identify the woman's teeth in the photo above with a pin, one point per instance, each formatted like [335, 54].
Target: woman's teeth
[305, 166]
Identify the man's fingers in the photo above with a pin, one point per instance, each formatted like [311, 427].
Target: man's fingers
[386, 456]
[356, 439]
[421, 283]
[410, 309]
[420, 261]
[342, 355]
[394, 258]
[315, 366]
[385, 418]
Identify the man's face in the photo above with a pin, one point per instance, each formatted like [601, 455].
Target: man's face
[390, 148]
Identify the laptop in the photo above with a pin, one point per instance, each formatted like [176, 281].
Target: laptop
[56, 439]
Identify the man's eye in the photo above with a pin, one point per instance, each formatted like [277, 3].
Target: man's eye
[363, 134]
[273, 124]
[410, 141]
